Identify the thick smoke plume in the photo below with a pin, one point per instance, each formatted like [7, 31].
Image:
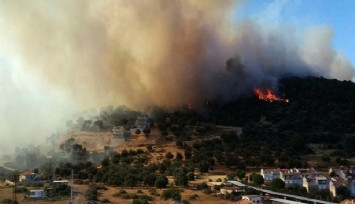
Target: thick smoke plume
[161, 52]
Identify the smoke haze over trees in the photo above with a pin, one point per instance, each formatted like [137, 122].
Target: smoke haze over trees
[71, 55]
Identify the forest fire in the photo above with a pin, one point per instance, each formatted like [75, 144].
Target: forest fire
[268, 95]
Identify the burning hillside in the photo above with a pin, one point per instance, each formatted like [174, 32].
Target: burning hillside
[269, 95]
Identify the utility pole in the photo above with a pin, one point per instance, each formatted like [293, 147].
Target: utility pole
[71, 187]
[14, 197]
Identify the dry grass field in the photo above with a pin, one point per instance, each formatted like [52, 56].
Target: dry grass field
[201, 198]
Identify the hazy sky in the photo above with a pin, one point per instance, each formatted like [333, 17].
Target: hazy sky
[301, 14]
[58, 57]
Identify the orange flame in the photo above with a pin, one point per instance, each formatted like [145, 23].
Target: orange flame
[268, 95]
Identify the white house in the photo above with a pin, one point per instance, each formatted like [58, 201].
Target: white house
[27, 176]
[291, 177]
[40, 193]
[270, 174]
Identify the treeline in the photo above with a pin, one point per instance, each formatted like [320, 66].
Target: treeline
[129, 169]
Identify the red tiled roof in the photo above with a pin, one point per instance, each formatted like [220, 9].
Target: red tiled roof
[26, 174]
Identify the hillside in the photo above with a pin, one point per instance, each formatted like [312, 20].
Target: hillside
[320, 111]
[314, 128]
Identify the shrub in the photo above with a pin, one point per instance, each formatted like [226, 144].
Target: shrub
[146, 197]
[171, 193]
[153, 191]
[207, 191]
[116, 195]
[102, 188]
[125, 196]
[122, 191]
[91, 193]
[140, 201]
[21, 190]
[6, 200]
[139, 191]
[193, 197]
[105, 201]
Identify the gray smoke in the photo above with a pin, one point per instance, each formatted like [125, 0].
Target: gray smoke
[141, 53]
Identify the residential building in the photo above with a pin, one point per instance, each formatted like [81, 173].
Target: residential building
[270, 174]
[291, 177]
[27, 177]
[315, 182]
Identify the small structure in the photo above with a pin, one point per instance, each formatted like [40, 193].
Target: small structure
[214, 186]
[230, 189]
[61, 187]
[120, 132]
[38, 194]
[142, 123]
[248, 199]
[26, 176]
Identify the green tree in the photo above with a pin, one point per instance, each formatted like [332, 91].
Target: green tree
[146, 131]
[169, 155]
[92, 193]
[149, 179]
[240, 174]
[257, 179]
[204, 166]
[190, 176]
[188, 154]
[99, 124]
[179, 156]
[161, 182]
[180, 176]
[342, 191]
[277, 184]
[231, 176]
[171, 193]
